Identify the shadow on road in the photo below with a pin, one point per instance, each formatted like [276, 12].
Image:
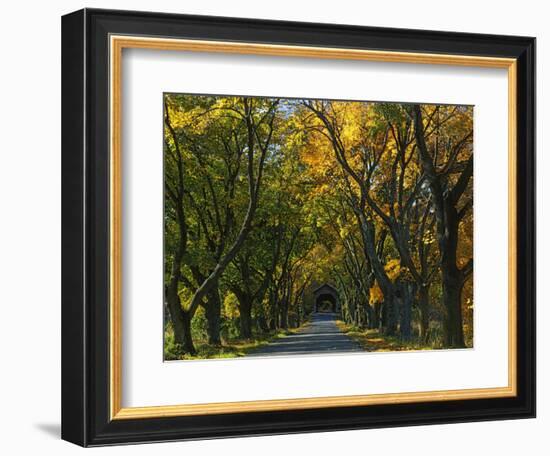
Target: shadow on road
[321, 335]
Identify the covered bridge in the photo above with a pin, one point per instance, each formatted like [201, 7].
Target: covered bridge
[326, 299]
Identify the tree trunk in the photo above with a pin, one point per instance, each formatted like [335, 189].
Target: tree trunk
[176, 316]
[181, 322]
[451, 280]
[454, 333]
[389, 320]
[383, 318]
[273, 313]
[245, 312]
[424, 308]
[407, 296]
[352, 311]
[213, 315]
[181, 319]
[188, 345]
[390, 305]
[389, 316]
[375, 322]
[283, 320]
[262, 323]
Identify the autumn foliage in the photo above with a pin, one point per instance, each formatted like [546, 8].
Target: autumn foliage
[267, 198]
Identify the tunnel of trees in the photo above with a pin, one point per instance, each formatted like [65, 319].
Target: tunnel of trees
[266, 199]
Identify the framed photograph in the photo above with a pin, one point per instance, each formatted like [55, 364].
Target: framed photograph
[278, 227]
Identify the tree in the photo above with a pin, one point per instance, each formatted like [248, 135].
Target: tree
[338, 124]
[447, 163]
[256, 119]
[254, 268]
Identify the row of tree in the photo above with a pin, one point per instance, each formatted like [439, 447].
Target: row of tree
[266, 197]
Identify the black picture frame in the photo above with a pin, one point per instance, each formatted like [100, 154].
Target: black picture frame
[85, 225]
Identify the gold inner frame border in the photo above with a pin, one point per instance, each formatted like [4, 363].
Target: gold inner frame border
[116, 46]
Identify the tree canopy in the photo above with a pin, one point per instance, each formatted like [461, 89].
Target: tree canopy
[267, 198]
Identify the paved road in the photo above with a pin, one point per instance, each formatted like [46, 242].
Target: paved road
[319, 337]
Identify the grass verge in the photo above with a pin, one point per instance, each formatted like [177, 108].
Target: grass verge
[373, 340]
[234, 348]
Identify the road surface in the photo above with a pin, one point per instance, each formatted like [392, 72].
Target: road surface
[321, 336]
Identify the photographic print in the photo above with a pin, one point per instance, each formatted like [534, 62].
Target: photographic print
[309, 226]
